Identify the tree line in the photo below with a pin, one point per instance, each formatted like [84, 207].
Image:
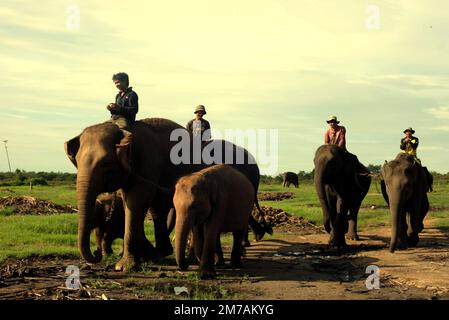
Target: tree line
[308, 176]
[22, 177]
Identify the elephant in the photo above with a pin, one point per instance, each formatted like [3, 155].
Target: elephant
[290, 177]
[214, 200]
[109, 221]
[404, 186]
[429, 178]
[143, 169]
[341, 183]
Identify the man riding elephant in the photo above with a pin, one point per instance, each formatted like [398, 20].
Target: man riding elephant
[409, 145]
[336, 135]
[126, 106]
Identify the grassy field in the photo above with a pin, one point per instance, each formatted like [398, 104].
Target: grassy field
[22, 236]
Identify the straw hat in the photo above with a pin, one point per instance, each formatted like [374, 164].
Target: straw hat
[333, 118]
[200, 108]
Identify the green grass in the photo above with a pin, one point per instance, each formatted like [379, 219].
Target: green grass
[61, 194]
[26, 235]
[305, 203]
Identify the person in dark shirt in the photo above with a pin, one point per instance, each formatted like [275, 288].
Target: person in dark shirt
[199, 127]
[409, 143]
[126, 106]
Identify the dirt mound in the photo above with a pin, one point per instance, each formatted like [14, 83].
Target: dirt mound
[31, 205]
[280, 218]
[274, 196]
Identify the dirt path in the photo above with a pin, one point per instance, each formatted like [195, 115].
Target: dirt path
[297, 266]
[302, 267]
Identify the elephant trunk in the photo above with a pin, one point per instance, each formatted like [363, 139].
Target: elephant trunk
[86, 209]
[183, 227]
[396, 221]
[320, 189]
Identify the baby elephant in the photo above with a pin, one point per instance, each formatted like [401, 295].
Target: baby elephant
[109, 221]
[214, 200]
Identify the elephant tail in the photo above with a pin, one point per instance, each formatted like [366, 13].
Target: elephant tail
[263, 222]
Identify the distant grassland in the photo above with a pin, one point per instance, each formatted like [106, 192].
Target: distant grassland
[26, 235]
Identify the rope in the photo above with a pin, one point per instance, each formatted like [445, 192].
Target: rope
[162, 189]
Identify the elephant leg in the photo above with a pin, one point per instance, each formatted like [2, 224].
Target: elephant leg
[207, 269]
[245, 241]
[99, 239]
[191, 247]
[424, 208]
[339, 226]
[198, 240]
[352, 227]
[171, 220]
[136, 246]
[402, 231]
[237, 249]
[415, 225]
[219, 253]
[107, 244]
[163, 245]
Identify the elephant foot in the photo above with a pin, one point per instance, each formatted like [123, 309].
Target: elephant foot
[127, 263]
[220, 261]
[108, 251]
[402, 245]
[192, 257]
[207, 274]
[165, 251]
[420, 227]
[246, 243]
[236, 264]
[97, 253]
[183, 266]
[412, 240]
[337, 244]
[148, 251]
[353, 236]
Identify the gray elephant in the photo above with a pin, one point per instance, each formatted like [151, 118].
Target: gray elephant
[341, 183]
[290, 178]
[143, 170]
[214, 200]
[109, 221]
[404, 187]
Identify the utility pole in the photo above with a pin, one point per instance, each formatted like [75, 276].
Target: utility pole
[7, 156]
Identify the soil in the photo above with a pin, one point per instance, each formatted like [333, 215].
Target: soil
[298, 265]
[274, 196]
[31, 205]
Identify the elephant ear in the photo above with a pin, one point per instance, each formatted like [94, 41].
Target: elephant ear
[123, 150]
[71, 148]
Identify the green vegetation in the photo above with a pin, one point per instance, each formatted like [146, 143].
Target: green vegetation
[60, 194]
[22, 177]
[26, 235]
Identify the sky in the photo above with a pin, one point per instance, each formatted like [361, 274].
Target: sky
[379, 66]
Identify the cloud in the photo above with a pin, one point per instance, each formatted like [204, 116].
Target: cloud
[441, 128]
[439, 112]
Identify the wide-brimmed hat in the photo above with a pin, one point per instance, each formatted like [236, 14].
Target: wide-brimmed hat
[409, 129]
[200, 108]
[332, 118]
